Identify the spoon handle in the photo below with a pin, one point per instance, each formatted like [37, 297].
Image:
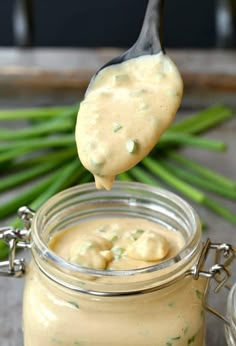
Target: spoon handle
[149, 40]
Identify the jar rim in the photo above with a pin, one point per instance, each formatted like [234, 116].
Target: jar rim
[50, 257]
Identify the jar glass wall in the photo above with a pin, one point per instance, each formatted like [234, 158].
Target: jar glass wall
[230, 330]
[70, 305]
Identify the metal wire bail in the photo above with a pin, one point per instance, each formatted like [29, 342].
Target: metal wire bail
[219, 271]
[14, 238]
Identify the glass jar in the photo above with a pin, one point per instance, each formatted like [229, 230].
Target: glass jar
[163, 304]
[230, 330]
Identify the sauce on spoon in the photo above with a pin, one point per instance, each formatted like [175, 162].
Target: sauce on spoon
[126, 110]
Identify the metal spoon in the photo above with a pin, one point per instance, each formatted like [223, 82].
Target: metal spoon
[149, 40]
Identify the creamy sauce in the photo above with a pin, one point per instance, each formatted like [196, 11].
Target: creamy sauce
[117, 244]
[172, 316]
[125, 111]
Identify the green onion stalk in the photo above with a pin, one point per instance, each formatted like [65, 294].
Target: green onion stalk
[40, 159]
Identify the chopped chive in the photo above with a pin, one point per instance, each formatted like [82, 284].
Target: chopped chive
[176, 338]
[139, 231]
[173, 93]
[120, 78]
[57, 341]
[118, 252]
[97, 162]
[133, 237]
[137, 92]
[114, 238]
[199, 294]
[143, 106]
[160, 75]
[131, 146]
[100, 229]
[191, 340]
[75, 304]
[117, 127]
[185, 330]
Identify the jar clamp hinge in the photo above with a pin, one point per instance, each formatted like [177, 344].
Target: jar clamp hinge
[219, 272]
[16, 238]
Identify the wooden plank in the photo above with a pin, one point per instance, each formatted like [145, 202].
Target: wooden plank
[213, 70]
[206, 61]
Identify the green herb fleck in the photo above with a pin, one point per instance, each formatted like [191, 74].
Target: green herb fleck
[199, 294]
[106, 93]
[191, 340]
[114, 238]
[120, 78]
[131, 146]
[171, 304]
[85, 247]
[176, 338]
[100, 229]
[143, 106]
[173, 93]
[139, 231]
[137, 92]
[97, 162]
[185, 330]
[76, 305]
[117, 127]
[77, 343]
[56, 341]
[134, 237]
[169, 343]
[160, 75]
[118, 252]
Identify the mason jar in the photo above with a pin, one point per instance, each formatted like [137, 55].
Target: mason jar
[163, 304]
[230, 329]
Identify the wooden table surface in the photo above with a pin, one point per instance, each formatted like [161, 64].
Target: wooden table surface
[43, 77]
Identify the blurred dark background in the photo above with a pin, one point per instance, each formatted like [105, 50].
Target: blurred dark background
[94, 23]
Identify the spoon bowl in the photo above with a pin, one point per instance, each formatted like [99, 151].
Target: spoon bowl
[130, 102]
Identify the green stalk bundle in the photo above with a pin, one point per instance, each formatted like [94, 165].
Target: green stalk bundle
[41, 160]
